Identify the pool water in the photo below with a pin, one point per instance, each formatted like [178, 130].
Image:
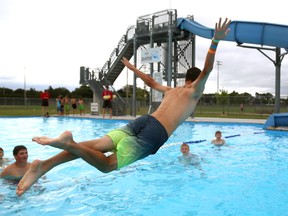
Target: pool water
[248, 176]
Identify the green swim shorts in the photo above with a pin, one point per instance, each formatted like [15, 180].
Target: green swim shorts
[125, 146]
[138, 139]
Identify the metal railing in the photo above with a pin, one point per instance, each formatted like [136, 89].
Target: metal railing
[142, 106]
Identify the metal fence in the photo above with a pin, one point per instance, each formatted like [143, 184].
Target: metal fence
[9, 101]
[143, 106]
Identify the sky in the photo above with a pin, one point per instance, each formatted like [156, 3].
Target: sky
[44, 42]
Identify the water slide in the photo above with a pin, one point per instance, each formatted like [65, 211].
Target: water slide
[267, 34]
[264, 34]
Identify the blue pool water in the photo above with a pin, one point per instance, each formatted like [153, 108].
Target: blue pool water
[246, 177]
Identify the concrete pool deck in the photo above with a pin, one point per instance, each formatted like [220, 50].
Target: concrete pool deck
[195, 119]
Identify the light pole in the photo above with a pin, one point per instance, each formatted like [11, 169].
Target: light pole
[127, 91]
[25, 101]
[218, 66]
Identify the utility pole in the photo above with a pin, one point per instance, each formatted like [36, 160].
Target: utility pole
[25, 100]
[218, 66]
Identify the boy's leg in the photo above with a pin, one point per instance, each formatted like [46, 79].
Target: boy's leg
[91, 151]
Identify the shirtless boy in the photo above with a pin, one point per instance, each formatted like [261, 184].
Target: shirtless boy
[142, 136]
[16, 170]
[218, 139]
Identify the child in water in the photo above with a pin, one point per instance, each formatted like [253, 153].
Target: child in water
[218, 141]
[187, 158]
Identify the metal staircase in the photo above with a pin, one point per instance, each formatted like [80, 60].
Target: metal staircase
[109, 73]
[159, 28]
[114, 68]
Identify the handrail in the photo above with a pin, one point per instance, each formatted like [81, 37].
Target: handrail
[120, 46]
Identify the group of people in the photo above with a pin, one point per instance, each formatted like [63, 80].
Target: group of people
[140, 137]
[64, 105]
[189, 158]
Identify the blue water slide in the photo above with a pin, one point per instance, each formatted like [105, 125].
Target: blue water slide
[267, 34]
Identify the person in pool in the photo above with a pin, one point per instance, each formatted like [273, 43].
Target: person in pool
[3, 161]
[188, 158]
[218, 141]
[16, 170]
[142, 136]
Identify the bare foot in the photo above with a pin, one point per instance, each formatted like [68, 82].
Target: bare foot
[31, 176]
[60, 142]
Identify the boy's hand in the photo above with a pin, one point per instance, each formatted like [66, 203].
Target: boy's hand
[221, 30]
[127, 63]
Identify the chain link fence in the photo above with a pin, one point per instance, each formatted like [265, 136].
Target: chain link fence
[206, 105]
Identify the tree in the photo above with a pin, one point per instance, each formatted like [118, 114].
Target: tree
[18, 93]
[82, 92]
[32, 93]
[222, 98]
[266, 98]
[234, 98]
[208, 99]
[6, 92]
[59, 91]
[141, 94]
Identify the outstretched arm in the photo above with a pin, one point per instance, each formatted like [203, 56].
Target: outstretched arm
[149, 81]
[221, 30]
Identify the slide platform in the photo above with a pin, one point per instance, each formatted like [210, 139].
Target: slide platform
[277, 121]
[267, 34]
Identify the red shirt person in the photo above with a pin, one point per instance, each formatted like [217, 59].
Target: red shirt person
[107, 96]
[45, 102]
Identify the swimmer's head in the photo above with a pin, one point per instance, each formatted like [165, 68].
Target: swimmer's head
[192, 74]
[184, 148]
[218, 134]
[1, 153]
[18, 148]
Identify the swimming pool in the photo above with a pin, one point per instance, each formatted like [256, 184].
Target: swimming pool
[246, 177]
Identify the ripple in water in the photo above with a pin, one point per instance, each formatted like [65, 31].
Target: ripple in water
[246, 177]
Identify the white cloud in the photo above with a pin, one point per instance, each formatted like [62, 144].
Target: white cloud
[48, 40]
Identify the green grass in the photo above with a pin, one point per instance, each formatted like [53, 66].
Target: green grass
[201, 111]
[25, 111]
[215, 112]
[233, 115]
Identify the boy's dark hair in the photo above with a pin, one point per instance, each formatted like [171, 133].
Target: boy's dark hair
[1, 149]
[192, 74]
[18, 148]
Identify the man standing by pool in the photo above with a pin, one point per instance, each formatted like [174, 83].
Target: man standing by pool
[45, 101]
[142, 136]
[107, 97]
